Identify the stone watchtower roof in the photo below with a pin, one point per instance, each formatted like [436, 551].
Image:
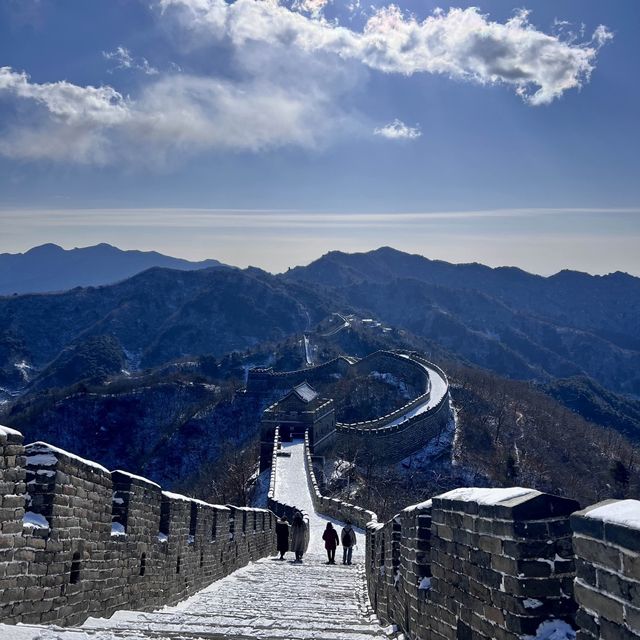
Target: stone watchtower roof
[305, 392]
[303, 397]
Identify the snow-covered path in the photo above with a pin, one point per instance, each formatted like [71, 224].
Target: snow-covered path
[439, 389]
[267, 600]
[292, 488]
[307, 351]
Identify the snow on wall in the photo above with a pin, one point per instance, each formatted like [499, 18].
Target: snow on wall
[497, 563]
[607, 546]
[73, 556]
[622, 512]
[486, 496]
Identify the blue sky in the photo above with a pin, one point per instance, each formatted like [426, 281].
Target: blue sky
[266, 134]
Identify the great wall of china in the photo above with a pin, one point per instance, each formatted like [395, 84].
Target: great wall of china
[390, 437]
[77, 540]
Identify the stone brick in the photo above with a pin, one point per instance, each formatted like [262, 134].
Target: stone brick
[606, 607]
[597, 552]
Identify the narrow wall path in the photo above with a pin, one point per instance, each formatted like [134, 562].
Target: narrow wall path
[267, 600]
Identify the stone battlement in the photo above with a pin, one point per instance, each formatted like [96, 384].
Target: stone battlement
[507, 564]
[77, 540]
[333, 507]
[501, 564]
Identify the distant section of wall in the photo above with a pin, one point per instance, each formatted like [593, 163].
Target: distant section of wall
[79, 541]
[265, 380]
[607, 546]
[396, 436]
[392, 444]
[389, 438]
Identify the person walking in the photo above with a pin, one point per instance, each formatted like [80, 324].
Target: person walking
[348, 542]
[330, 537]
[299, 536]
[282, 536]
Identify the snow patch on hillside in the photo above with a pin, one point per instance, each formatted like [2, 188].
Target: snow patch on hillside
[393, 381]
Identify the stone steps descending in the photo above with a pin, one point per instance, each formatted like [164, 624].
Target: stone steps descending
[267, 600]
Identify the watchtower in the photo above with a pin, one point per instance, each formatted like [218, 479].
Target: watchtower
[300, 410]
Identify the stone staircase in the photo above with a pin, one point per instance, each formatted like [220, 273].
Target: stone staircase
[269, 599]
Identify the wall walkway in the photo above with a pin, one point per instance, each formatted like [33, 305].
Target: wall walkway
[471, 564]
[267, 599]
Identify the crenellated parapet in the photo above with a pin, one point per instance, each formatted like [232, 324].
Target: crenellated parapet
[507, 564]
[607, 547]
[389, 437]
[77, 540]
[333, 507]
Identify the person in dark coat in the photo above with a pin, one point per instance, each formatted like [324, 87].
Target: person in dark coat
[330, 537]
[299, 535]
[282, 536]
[348, 542]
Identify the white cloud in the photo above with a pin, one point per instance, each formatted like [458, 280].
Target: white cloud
[461, 43]
[313, 7]
[65, 122]
[398, 130]
[176, 114]
[288, 81]
[124, 60]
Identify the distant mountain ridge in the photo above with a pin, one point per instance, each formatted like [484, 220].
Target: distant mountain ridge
[570, 326]
[155, 316]
[505, 319]
[50, 268]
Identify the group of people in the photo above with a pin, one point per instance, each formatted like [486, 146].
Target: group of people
[298, 535]
[348, 539]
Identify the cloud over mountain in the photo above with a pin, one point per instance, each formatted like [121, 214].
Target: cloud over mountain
[461, 43]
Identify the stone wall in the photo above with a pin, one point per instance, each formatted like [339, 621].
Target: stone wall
[389, 442]
[78, 541]
[399, 568]
[388, 438]
[481, 564]
[333, 507]
[502, 563]
[392, 444]
[607, 588]
[265, 380]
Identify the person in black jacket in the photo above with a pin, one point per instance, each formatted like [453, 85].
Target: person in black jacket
[282, 536]
[330, 537]
[348, 542]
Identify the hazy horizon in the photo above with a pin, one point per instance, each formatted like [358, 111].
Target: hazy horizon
[268, 133]
[277, 240]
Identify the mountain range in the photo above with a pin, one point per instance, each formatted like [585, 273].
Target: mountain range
[51, 268]
[155, 316]
[573, 334]
[504, 319]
